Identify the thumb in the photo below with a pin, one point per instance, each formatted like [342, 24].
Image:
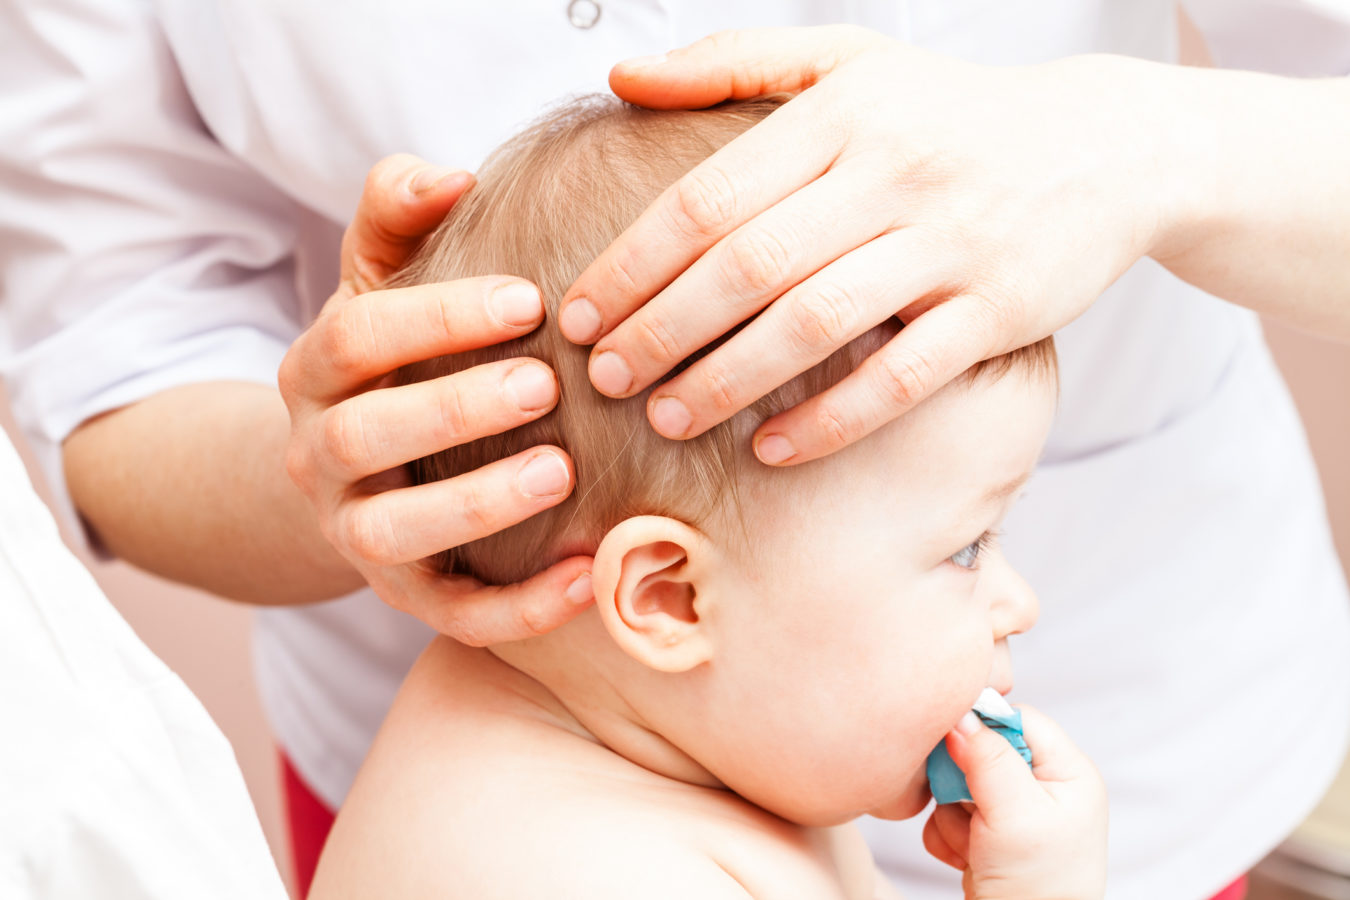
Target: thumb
[403, 201]
[734, 65]
[998, 777]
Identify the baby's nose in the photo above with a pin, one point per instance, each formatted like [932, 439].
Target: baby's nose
[1016, 607]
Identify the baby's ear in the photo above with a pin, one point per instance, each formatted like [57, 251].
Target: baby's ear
[652, 579]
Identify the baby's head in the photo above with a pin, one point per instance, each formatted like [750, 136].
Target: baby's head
[802, 636]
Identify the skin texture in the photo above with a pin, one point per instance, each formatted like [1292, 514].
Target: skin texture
[737, 696]
[896, 202]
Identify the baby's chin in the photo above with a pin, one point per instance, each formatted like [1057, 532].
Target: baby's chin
[908, 804]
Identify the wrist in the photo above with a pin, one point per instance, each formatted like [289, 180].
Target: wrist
[1168, 146]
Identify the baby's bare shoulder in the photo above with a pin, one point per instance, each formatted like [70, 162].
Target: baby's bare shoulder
[459, 799]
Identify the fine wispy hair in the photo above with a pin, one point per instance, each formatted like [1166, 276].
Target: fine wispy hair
[545, 205]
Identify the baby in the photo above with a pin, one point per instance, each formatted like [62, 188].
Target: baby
[772, 653]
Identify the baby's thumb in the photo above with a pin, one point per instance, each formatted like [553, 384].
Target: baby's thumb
[998, 777]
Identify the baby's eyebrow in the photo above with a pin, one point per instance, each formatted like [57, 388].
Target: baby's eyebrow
[1002, 491]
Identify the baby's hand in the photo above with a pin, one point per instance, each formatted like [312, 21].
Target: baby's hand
[1035, 833]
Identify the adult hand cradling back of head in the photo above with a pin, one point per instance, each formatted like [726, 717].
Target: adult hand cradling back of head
[986, 207]
[352, 433]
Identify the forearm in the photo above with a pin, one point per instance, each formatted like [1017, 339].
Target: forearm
[191, 484]
[1256, 205]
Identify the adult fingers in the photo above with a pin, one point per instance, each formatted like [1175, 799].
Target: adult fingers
[403, 201]
[364, 338]
[406, 524]
[998, 778]
[714, 199]
[738, 277]
[946, 835]
[380, 429]
[930, 351]
[478, 614]
[737, 64]
[1055, 757]
[801, 328]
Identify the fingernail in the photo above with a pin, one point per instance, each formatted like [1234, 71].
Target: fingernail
[429, 177]
[671, 418]
[642, 62]
[579, 321]
[774, 449]
[610, 374]
[580, 591]
[543, 476]
[968, 724]
[529, 387]
[516, 303]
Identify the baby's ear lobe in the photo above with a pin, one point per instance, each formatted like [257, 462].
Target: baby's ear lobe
[647, 576]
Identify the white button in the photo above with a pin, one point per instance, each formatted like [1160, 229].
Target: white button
[583, 13]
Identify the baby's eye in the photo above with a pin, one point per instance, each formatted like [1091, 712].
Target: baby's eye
[968, 557]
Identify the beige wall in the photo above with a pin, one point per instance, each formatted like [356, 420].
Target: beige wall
[205, 640]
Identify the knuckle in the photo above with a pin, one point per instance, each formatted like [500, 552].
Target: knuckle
[621, 271]
[656, 338]
[475, 516]
[298, 468]
[757, 260]
[823, 319]
[367, 533]
[995, 313]
[385, 173]
[453, 419]
[705, 202]
[723, 389]
[346, 340]
[532, 619]
[902, 378]
[470, 633]
[837, 428]
[343, 439]
[288, 378]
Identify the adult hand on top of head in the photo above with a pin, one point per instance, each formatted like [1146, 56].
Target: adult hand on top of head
[986, 207]
[353, 431]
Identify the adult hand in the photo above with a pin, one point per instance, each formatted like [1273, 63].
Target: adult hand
[1032, 832]
[986, 207]
[352, 431]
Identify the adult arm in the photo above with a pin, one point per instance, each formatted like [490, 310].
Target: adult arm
[986, 207]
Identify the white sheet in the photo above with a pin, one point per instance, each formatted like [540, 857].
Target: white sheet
[114, 781]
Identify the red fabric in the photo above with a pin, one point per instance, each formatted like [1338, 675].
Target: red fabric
[308, 822]
[1235, 891]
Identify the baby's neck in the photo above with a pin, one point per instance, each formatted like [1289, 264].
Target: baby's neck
[599, 693]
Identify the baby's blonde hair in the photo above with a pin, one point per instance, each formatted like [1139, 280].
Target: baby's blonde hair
[545, 205]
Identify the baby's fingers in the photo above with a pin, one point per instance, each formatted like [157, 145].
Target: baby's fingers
[997, 776]
[1054, 757]
[946, 835]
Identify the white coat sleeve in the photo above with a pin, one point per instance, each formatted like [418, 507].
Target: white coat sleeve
[136, 254]
[1308, 38]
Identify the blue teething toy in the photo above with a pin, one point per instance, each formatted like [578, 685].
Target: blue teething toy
[946, 780]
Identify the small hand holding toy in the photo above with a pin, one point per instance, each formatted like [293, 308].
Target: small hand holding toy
[945, 780]
[1022, 816]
